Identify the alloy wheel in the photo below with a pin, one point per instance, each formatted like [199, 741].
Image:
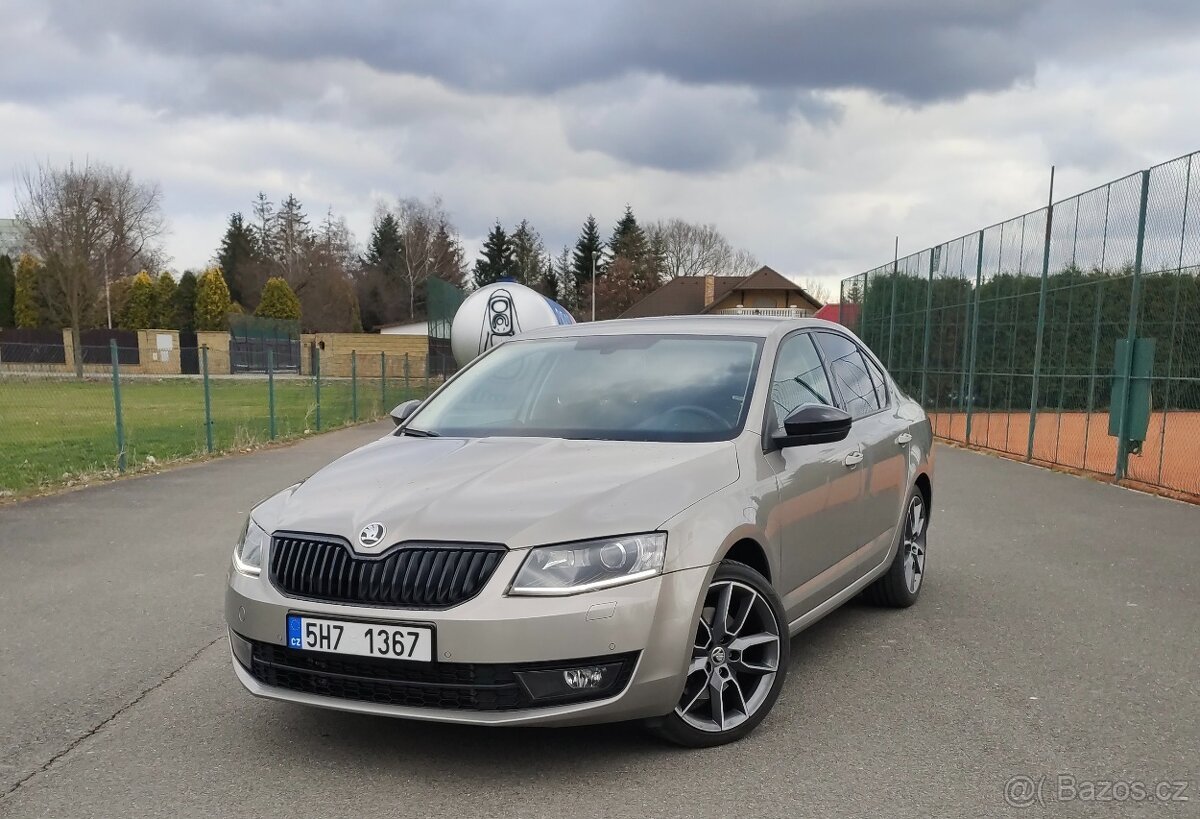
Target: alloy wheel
[914, 544]
[735, 658]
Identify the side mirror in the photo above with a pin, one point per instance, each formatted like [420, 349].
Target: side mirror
[402, 411]
[814, 424]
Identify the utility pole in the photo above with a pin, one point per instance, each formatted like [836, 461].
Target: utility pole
[595, 253]
[104, 211]
[107, 300]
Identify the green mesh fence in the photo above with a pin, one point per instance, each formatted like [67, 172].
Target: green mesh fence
[139, 411]
[442, 300]
[1008, 335]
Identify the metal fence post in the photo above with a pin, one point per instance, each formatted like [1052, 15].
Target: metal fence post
[1091, 403]
[353, 386]
[317, 384]
[934, 256]
[974, 338]
[1166, 404]
[118, 413]
[406, 385]
[1135, 292]
[208, 423]
[383, 407]
[427, 373]
[892, 320]
[271, 389]
[1041, 322]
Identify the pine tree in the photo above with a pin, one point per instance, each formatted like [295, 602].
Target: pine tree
[528, 251]
[291, 240]
[27, 293]
[449, 259]
[380, 283]
[628, 238]
[564, 279]
[547, 283]
[212, 301]
[264, 226]
[140, 310]
[588, 250]
[385, 259]
[185, 302]
[496, 261]
[629, 243]
[656, 261]
[8, 291]
[239, 251]
[386, 247]
[164, 302]
[278, 301]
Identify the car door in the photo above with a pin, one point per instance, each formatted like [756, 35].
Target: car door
[865, 392]
[819, 511]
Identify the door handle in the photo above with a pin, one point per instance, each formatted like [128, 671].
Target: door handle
[903, 438]
[853, 459]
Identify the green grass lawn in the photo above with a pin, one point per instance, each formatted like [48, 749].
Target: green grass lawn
[54, 431]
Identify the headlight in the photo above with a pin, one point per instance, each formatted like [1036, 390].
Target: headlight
[571, 568]
[247, 554]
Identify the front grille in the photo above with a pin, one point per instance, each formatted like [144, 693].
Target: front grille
[416, 576]
[451, 686]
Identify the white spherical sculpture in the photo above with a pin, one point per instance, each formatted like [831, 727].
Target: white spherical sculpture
[497, 312]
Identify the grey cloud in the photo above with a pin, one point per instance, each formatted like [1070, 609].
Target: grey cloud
[725, 76]
[662, 124]
[919, 50]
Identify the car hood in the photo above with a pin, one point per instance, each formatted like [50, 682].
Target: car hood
[517, 491]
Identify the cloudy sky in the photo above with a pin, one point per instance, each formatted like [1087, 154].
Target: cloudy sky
[810, 132]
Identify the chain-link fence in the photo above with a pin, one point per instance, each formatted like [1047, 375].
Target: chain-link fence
[57, 428]
[1069, 335]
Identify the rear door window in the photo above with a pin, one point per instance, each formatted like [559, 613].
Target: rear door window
[848, 368]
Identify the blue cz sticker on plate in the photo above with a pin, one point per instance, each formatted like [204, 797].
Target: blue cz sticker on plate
[295, 639]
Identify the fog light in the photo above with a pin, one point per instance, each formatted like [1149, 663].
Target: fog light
[241, 648]
[570, 683]
[590, 677]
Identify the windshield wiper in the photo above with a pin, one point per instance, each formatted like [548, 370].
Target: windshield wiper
[815, 394]
[417, 433]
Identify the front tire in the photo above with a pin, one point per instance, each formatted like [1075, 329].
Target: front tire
[739, 659]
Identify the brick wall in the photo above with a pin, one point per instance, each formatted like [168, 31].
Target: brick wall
[156, 359]
[336, 348]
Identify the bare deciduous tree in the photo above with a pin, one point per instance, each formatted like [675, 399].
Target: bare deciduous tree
[431, 247]
[697, 250]
[88, 223]
[328, 262]
[818, 289]
[741, 262]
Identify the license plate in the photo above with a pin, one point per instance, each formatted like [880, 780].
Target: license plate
[397, 642]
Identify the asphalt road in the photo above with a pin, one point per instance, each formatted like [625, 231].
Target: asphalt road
[1058, 633]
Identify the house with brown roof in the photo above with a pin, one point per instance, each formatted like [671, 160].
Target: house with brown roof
[763, 293]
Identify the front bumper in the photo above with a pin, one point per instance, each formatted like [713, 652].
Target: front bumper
[652, 619]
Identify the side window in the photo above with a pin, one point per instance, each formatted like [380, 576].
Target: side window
[848, 368]
[878, 379]
[799, 377]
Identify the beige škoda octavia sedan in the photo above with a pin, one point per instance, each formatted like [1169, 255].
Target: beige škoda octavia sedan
[597, 522]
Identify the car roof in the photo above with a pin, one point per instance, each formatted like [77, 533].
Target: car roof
[753, 326]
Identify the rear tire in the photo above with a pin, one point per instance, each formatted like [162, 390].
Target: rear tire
[900, 586]
[738, 662]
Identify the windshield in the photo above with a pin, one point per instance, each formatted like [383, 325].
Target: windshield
[620, 388]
